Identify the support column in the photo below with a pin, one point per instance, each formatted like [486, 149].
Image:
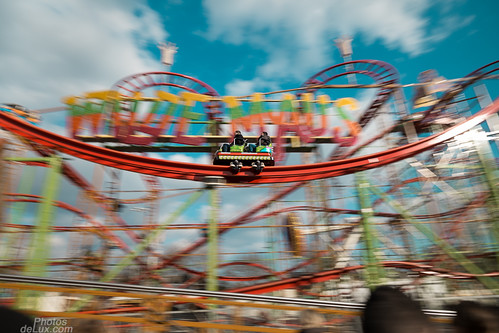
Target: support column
[466, 263]
[212, 184]
[212, 267]
[374, 272]
[139, 248]
[39, 249]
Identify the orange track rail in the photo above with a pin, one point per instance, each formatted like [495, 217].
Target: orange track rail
[199, 172]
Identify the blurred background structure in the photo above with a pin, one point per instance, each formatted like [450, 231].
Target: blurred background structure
[391, 191]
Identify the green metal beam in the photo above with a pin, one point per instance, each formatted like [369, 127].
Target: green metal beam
[373, 269]
[127, 260]
[433, 237]
[30, 159]
[39, 250]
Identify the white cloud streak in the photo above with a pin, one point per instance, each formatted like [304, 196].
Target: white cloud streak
[54, 48]
[298, 36]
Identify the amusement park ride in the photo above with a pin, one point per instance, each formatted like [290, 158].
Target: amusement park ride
[350, 194]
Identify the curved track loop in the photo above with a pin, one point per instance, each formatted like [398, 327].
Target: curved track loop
[129, 85]
[381, 72]
[479, 201]
[473, 203]
[199, 172]
[276, 174]
[155, 167]
[132, 84]
[293, 283]
[108, 234]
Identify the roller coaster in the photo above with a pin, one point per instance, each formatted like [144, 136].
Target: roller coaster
[390, 196]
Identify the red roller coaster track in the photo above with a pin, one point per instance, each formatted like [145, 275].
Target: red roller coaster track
[46, 141]
[199, 172]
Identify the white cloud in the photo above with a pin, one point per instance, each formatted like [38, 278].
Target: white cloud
[180, 239]
[449, 24]
[298, 35]
[239, 87]
[55, 48]
[198, 159]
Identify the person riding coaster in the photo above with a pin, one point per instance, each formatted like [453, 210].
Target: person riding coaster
[240, 153]
[239, 143]
[30, 116]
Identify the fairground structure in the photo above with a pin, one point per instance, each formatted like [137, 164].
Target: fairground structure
[124, 218]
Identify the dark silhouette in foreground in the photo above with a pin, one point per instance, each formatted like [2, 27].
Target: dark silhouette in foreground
[389, 310]
[13, 321]
[473, 317]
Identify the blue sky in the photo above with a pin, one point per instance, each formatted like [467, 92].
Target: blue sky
[55, 48]
[262, 44]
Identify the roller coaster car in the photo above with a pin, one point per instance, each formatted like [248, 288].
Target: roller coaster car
[237, 156]
[29, 115]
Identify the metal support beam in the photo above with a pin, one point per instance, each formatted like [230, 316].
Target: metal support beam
[127, 260]
[446, 247]
[212, 260]
[212, 276]
[373, 270]
[39, 250]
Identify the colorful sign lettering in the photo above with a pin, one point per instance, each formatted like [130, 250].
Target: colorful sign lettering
[141, 120]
